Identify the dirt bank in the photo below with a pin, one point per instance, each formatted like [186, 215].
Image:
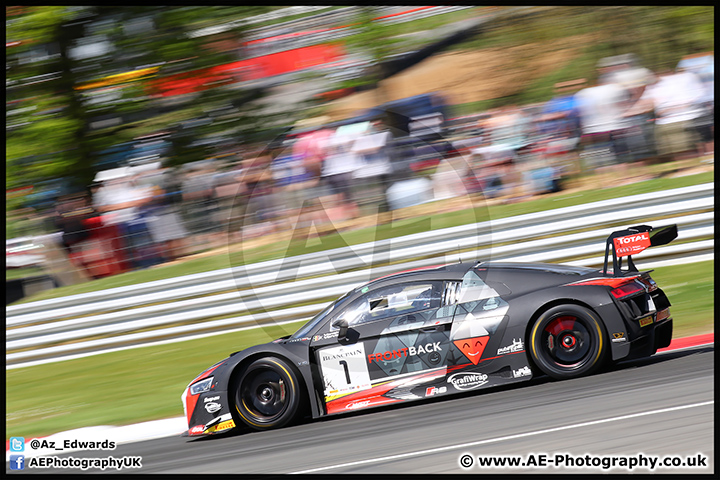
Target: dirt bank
[465, 77]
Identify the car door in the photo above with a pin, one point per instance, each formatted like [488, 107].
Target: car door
[480, 311]
[397, 340]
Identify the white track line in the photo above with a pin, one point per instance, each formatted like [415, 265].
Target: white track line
[508, 437]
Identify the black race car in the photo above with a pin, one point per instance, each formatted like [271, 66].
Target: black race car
[442, 330]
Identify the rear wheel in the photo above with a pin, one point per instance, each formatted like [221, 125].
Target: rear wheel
[568, 341]
[267, 394]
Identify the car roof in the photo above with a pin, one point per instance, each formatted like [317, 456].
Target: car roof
[450, 271]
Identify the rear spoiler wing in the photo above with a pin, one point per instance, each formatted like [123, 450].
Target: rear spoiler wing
[634, 240]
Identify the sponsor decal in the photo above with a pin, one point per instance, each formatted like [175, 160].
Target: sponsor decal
[221, 426]
[303, 339]
[339, 355]
[197, 429]
[344, 369]
[468, 381]
[631, 244]
[522, 372]
[619, 337]
[472, 347]
[435, 391]
[211, 399]
[326, 336]
[225, 425]
[434, 358]
[356, 405]
[646, 321]
[212, 407]
[517, 346]
[405, 352]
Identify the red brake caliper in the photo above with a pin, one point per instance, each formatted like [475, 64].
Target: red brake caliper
[558, 325]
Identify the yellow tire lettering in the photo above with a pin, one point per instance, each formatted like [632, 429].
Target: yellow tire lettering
[292, 384]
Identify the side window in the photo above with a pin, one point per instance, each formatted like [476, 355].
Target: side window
[473, 288]
[392, 301]
[452, 293]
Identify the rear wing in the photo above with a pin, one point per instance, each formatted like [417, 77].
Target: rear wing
[626, 243]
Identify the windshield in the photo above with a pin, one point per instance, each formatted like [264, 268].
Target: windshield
[320, 317]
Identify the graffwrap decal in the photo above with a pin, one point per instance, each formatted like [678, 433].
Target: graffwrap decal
[467, 381]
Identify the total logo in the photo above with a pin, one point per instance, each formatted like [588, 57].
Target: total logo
[631, 244]
[467, 381]
[632, 238]
[517, 346]
[212, 407]
[435, 391]
[405, 352]
[522, 372]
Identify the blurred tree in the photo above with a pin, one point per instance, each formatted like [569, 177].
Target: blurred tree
[54, 51]
[54, 130]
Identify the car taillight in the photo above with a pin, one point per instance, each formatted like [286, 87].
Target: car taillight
[621, 287]
[627, 289]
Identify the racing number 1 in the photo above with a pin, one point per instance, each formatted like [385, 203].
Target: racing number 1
[347, 370]
[336, 364]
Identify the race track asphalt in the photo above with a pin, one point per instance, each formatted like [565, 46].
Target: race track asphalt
[660, 406]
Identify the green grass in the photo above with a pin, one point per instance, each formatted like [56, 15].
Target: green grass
[24, 272]
[387, 35]
[115, 388]
[145, 384]
[690, 289]
[405, 226]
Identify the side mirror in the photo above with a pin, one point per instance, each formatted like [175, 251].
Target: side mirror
[342, 325]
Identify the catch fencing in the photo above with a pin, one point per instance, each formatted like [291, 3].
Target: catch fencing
[295, 288]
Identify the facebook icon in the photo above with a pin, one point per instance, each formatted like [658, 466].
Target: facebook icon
[17, 462]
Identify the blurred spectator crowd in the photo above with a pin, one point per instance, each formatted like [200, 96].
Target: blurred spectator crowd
[140, 216]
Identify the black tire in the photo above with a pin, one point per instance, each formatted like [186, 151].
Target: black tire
[267, 394]
[568, 341]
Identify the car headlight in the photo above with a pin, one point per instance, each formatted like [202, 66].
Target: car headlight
[201, 386]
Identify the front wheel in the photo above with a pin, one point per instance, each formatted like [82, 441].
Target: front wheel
[267, 394]
[568, 341]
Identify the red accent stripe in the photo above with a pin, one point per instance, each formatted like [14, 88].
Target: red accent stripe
[190, 403]
[206, 373]
[373, 396]
[685, 342]
[613, 282]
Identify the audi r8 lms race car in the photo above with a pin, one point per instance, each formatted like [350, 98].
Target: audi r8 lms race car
[442, 330]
